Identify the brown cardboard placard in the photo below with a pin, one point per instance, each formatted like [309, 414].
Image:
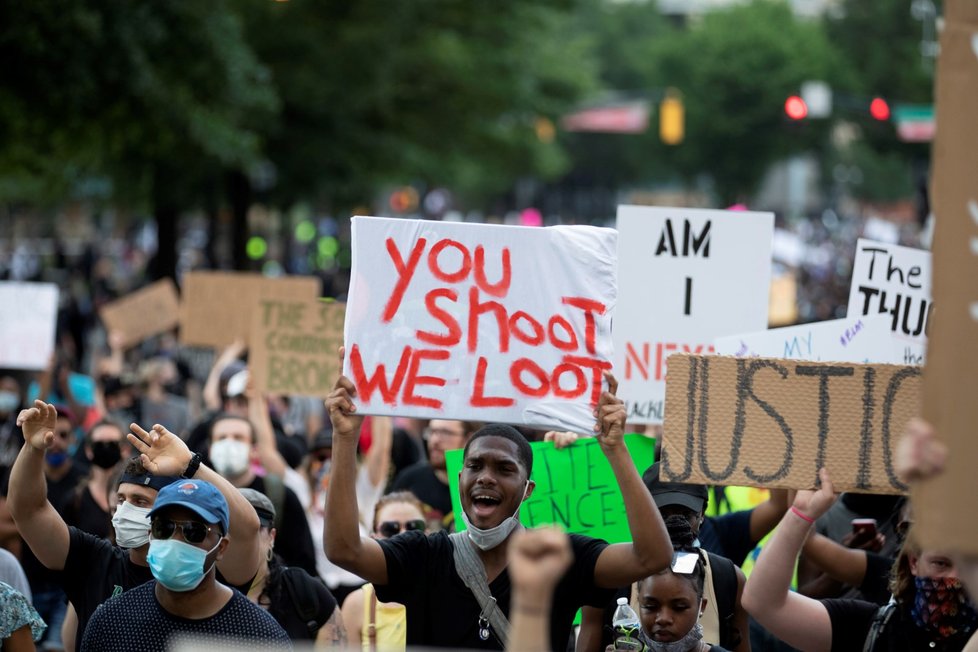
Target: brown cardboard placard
[951, 375]
[149, 311]
[771, 422]
[217, 306]
[295, 346]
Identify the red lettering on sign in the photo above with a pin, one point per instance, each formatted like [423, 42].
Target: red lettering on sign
[404, 275]
[478, 398]
[516, 377]
[536, 338]
[589, 306]
[413, 379]
[378, 382]
[449, 277]
[597, 367]
[570, 344]
[476, 309]
[632, 357]
[578, 373]
[454, 335]
[494, 289]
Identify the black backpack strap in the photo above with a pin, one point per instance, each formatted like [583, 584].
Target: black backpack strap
[724, 575]
[303, 596]
[880, 621]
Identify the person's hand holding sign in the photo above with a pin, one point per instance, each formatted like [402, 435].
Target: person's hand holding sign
[610, 428]
[341, 408]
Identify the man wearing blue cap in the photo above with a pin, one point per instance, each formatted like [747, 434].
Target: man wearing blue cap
[91, 570]
[188, 535]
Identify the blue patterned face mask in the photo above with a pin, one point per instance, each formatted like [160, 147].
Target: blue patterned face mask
[177, 565]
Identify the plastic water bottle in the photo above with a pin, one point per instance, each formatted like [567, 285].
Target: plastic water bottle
[626, 625]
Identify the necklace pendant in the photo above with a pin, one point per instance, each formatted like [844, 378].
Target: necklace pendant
[484, 633]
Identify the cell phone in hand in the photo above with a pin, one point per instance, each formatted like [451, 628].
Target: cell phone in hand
[864, 528]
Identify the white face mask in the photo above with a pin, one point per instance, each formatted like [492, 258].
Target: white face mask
[131, 525]
[489, 539]
[230, 457]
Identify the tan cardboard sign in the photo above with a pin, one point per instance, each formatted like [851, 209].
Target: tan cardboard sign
[217, 307]
[770, 422]
[294, 346]
[149, 311]
[952, 355]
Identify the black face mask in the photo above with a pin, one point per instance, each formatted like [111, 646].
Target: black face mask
[106, 454]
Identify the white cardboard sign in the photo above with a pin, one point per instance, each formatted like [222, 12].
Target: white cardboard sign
[853, 339]
[483, 322]
[27, 324]
[894, 280]
[686, 277]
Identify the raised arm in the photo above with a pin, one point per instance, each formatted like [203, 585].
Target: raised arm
[163, 453]
[537, 559]
[797, 620]
[847, 565]
[341, 536]
[27, 497]
[378, 458]
[265, 444]
[212, 386]
[650, 550]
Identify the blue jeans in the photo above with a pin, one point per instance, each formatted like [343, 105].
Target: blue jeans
[51, 605]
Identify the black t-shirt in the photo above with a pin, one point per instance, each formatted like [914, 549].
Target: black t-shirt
[420, 479]
[728, 535]
[852, 619]
[310, 593]
[95, 570]
[293, 543]
[441, 610]
[135, 621]
[84, 513]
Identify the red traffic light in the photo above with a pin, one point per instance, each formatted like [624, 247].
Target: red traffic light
[795, 108]
[879, 109]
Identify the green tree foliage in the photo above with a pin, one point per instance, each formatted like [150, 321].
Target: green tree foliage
[438, 92]
[735, 68]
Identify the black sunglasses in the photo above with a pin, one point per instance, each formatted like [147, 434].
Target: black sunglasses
[390, 528]
[193, 531]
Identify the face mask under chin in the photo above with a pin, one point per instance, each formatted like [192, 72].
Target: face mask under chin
[490, 538]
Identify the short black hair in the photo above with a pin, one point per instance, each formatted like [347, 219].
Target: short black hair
[227, 416]
[523, 450]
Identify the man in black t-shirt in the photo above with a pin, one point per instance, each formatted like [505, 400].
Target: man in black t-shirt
[419, 571]
[189, 536]
[93, 569]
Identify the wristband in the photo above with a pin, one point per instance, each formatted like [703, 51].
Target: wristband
[192, 467]
[797, 512]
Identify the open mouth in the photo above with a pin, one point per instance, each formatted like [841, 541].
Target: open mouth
[484, 504]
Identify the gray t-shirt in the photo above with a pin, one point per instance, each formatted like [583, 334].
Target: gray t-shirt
[13, 574]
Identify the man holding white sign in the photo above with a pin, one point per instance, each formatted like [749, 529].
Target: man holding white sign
[425, 573]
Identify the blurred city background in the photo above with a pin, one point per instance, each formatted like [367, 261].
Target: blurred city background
[145, 139]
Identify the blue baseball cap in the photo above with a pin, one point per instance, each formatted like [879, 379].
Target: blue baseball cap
[199, 496]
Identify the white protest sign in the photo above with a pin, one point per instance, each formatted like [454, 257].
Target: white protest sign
[894, 280]
[686, 276]
[482, 322]
[853, 339]
[27, 324]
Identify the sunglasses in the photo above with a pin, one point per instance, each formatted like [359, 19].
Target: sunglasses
[193, 531]
[391, 528]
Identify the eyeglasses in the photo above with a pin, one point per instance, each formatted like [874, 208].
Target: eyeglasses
[390, 528]
[193, 531]
[441, 432]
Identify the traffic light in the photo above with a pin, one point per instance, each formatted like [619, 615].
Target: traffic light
[671, 119]
[879, 109]
[795, 108]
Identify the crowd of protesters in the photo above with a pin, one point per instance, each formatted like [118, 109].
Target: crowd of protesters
[150, 493]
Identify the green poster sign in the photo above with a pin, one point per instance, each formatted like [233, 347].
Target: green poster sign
[575, 487]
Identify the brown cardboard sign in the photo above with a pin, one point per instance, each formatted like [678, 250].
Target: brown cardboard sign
[770, 422]
[217, 306]
[149, 311]
[295, 346]
[951, 374]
